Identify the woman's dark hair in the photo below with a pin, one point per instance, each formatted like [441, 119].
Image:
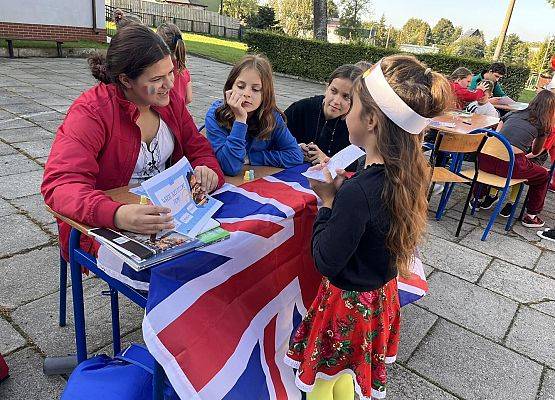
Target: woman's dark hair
[132, 50]
[542, 110]
[346, 71]
[459, 73]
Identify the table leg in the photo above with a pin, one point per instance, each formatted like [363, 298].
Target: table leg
[77, 293]
[116, 338]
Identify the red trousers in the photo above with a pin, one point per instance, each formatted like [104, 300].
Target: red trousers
[537, 177]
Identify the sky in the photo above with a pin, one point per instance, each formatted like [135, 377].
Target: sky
[532, 20]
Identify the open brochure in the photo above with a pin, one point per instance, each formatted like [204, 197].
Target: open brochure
[178, 189]
[143, 251]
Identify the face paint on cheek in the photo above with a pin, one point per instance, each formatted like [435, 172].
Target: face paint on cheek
[150, 90]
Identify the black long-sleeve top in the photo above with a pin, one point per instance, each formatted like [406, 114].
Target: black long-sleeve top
[307, 123]
[349, 240]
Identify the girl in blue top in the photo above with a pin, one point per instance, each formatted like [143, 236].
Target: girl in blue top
[248, 127]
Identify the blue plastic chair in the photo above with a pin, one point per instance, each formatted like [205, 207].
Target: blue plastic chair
[499, 147]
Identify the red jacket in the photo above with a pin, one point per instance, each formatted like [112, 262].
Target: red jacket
[465, 96]
[96, 149]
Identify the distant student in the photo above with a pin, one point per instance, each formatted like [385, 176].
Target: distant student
[174, 39]
[318, 122]
[495, 73]
[247, 127]
[526, 130]
[122, 20]
[124, 130]
[366, 233]
[459, 80]
[483, 106]
[364, 65]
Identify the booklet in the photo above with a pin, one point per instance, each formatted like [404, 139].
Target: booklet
[141, 251]
[341, 160]
[178, 189]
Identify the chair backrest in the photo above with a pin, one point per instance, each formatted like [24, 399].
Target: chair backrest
[460, 142]
[496, 148]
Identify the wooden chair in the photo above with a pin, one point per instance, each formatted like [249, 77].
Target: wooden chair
[458, 145]
[499, 147]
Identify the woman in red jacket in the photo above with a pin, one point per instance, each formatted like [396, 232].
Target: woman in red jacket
[459, 80]
[124, 130]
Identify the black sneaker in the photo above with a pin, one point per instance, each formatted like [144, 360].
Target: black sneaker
[506, 210]
[548, 234]
[488, 202]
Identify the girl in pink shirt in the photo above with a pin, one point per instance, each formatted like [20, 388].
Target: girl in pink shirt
[174, 39]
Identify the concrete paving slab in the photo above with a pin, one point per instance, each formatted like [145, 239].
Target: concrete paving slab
[36, 149]
[546, 264]
[476, 309]
[19, 233]
[472, 367]
[27, 381]
[34, 206]
[25, 134]
[404, 384]
[547, 391]
[21, 185]
[10, 339]
[415, 324]
[16, 163]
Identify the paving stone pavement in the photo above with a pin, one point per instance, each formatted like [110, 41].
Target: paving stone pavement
[486, 330]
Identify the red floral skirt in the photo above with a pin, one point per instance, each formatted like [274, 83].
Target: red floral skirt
[348, 332]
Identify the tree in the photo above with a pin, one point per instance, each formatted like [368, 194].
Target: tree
[472, 46]
[239, 9]
[416, 31]
[514, 50]
[320, 26]
[539, 62]
[265, 18]
[457, 33]
[333, 11]
[294, 16]
[443, 32]
[350, 21]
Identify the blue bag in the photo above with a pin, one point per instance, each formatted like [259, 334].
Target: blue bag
[127, 376]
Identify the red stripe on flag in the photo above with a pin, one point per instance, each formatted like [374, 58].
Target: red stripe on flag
[282, 193]
[416, 281]
[270, 355]
[261, 228]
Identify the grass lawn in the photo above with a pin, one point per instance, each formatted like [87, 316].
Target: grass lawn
[52, 44]
[226, 50]
[527, 95]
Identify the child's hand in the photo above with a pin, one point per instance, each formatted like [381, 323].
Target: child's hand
[235, 100]
[315, 155]
[483, 86]
[327, 190]
[304, 149]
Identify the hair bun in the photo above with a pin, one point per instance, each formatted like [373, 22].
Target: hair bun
[98, 67]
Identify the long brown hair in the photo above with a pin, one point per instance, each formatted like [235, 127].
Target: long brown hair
[132, 50]
[542, 110]
[404, 193]
[263, 122]
[174, 39]
[459, 73]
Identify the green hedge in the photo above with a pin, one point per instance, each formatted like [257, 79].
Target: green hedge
[316, 60]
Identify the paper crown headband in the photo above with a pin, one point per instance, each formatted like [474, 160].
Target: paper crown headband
[391, 104]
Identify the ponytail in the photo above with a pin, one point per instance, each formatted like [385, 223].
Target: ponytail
[180, 54]
[171, 34]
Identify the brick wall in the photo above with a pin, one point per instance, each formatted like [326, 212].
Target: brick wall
[52, 32]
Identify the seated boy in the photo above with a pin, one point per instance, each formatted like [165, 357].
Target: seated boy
[483, 106]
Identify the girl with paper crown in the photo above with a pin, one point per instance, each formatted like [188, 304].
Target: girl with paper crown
[352, 328]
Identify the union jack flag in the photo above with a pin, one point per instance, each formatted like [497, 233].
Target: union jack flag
[219, 320]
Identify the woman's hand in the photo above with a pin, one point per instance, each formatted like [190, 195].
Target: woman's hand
[235, 100]
[207, 178]
[147, 219]
[328, 189]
